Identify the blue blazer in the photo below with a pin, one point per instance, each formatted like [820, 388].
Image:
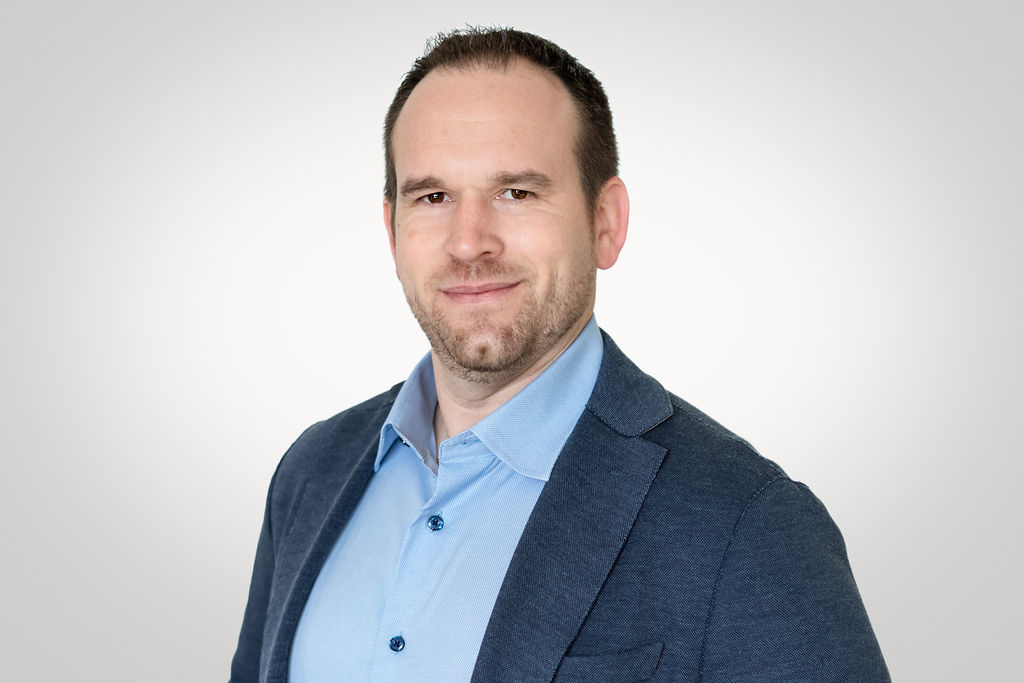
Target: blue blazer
[662, 548]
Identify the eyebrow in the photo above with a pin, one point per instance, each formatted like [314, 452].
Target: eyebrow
[528, 178]
[416, 185]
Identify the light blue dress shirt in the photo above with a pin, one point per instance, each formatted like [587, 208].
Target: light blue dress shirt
[406, 593]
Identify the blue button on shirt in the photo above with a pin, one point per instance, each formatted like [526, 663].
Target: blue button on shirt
[407, 591]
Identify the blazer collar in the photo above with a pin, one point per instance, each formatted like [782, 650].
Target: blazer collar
[626, 398]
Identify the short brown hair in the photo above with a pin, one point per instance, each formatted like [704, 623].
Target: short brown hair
[596, 151]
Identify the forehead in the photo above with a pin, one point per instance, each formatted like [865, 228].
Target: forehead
[518, 115]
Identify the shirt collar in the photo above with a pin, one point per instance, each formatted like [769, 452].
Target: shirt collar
[411, 418]
[528, 431]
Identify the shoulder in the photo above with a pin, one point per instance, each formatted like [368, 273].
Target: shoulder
[712, 463]
[716, 481]
[704, 463]
[783, 602]
[332, 446]
[758, 520]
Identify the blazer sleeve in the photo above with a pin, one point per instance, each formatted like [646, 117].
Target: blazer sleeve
[786, 607]
[245, 664]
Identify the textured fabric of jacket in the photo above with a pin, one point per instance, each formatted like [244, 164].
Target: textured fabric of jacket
[662, 548]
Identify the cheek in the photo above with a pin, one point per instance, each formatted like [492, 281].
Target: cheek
[422, 238]
[405, 263]
[557, 258]
[409, 272]
[412, 247]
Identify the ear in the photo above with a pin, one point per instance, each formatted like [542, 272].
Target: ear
[611, 218]
[388, 216]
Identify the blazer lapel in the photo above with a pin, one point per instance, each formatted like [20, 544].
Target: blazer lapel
[577, 528]
[328, 498]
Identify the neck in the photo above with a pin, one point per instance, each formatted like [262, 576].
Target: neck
[462, 403]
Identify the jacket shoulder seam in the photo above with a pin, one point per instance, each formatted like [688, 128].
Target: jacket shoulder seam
[721, 566]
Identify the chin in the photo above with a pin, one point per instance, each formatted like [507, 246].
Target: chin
[488, 352]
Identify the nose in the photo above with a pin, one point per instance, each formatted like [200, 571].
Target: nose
[473, 232]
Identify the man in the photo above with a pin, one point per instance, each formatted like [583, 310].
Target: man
[528, 505]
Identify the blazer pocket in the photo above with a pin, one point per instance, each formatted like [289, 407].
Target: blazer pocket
[638, 664]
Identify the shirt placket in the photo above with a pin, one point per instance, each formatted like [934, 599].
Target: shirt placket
[405, 635]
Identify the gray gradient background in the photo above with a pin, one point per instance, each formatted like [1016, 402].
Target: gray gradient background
[825, 254]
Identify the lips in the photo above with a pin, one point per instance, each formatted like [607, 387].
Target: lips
[479, 292]
[479, 289]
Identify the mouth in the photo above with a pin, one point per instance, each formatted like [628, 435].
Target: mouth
[478, 293]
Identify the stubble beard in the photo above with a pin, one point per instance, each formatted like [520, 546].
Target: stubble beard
[482, 351]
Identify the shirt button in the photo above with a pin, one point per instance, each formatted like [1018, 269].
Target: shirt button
[397, 643]
[435, 523]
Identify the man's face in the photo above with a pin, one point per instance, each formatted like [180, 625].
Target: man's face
[491, 234]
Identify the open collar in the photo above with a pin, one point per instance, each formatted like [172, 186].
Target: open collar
[528, 431]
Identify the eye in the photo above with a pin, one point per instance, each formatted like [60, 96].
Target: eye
[514, 194]
[434, 198]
